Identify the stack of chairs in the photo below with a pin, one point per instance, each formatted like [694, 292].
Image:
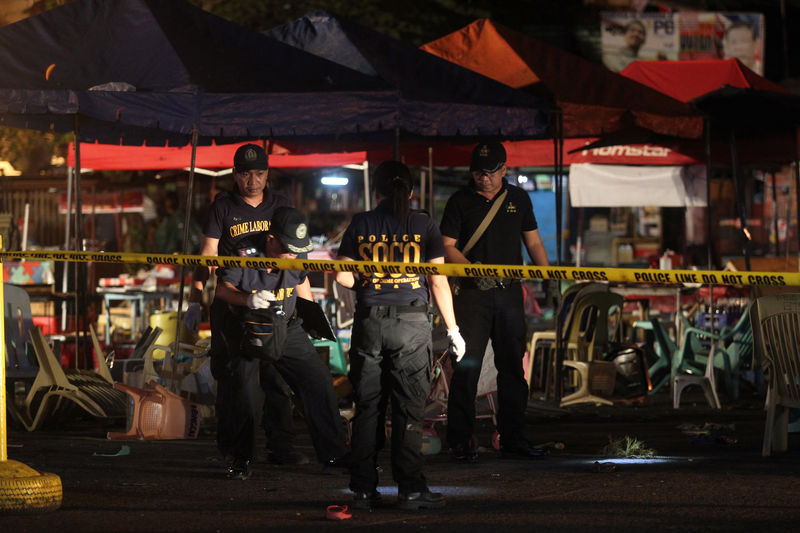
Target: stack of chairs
[57, 393]
[591, 317]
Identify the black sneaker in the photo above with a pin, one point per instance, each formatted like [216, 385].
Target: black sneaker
[521, 449]
[366, 500]
[239, 469]
[463, 453]
[290, 458]
[414, 501]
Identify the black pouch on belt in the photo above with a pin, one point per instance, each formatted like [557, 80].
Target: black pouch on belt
[263, 334]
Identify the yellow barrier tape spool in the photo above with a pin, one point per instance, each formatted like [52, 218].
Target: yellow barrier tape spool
[630, 275]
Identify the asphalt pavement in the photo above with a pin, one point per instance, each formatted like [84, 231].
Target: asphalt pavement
[707, 474]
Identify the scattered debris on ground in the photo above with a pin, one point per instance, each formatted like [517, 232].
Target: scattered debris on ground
[627, 448]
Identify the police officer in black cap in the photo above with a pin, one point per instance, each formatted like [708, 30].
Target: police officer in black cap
[236, 225]
[490, 309]
[390, 351]
[299, 364]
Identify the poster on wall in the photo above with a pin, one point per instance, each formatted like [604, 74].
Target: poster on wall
[627, 37]
[705, 35]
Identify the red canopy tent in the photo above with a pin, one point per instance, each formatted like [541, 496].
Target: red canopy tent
[114, 157]
[733, 95]
[687, 80]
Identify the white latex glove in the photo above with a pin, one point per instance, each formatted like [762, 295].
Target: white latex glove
[457, 345]
[260, 299]
[191, 319]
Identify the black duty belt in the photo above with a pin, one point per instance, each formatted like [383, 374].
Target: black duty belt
[390, 311]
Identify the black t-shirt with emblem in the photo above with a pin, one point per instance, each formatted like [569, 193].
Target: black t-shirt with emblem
[239, 226]
[282, 283]
[379, 236]
[501, 242]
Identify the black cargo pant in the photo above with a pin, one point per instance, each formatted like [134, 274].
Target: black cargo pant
[390, 360]
[497, 314]
[242, 385]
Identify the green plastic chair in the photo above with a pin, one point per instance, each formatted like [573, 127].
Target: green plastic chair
[663, 349]
[332, 354]
[733, 351]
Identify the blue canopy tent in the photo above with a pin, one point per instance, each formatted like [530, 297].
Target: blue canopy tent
[438, 98]
[169, 67]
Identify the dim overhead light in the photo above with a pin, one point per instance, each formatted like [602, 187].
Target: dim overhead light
[335, 181]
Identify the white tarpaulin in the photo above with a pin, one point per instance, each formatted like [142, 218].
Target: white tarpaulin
[592, 185]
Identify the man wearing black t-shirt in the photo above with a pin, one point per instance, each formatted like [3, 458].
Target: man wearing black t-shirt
[236, 225]
[490, 309]
[299, 364]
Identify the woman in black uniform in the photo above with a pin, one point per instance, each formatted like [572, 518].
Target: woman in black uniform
[390, 351]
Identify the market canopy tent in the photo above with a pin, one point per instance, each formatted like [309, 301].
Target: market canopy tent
[155, 69]
[593, 100]
[689, 80]
[449, 101]
[113, 157]
[732, 94]
[457, 100]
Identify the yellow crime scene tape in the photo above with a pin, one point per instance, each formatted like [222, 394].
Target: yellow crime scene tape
[629, 275]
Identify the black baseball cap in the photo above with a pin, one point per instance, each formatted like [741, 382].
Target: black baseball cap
[250, 157]
[488, 157]
[290, 227]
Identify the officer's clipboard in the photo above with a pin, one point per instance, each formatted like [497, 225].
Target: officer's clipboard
[315, 323]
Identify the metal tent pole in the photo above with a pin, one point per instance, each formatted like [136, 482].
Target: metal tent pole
[740, 201]
[65, 272]
[80, 268]
[775, 214]
[558, 149]
[709, 222]
[430, 182]
[186, 227]
[797, 199]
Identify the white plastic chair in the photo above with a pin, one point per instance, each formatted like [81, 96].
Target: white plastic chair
[776, 331]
